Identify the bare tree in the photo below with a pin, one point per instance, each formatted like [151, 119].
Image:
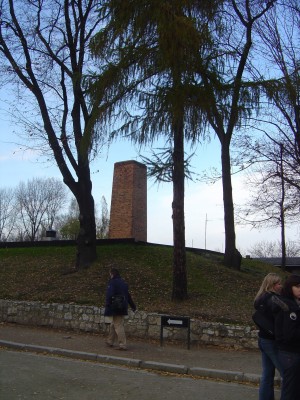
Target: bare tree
[56, 200]
[271, 203]
[102, 223]
[279, 124]
[276, 144]
[31, 203]
[37, 204]
[263, 249]
[44, 48]
[7, 213]
[267, 249]
[280, 34]
[68, 224]
[231, 95]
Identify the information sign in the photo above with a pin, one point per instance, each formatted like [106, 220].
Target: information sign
[175, 322]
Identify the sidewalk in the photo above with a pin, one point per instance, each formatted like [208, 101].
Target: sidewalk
[207, 361]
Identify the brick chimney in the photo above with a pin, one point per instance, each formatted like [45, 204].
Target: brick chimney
[128, 211]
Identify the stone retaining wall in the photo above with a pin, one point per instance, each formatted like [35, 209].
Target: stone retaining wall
[138, 324]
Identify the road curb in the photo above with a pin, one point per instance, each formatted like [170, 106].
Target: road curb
[158, 366]
[128, 362]
[230, 376]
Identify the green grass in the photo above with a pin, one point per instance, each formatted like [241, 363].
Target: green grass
[216, 293]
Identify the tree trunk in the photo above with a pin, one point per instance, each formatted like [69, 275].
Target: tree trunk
[179, 256]
[232, 257]
[58, 79]
[283, 246]
[282, 214]
[86, 240]
[82, 190]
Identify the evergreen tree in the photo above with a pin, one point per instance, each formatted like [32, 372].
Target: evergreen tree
[153, 47]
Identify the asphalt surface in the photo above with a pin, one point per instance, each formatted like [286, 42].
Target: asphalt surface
[240, 366]
[27, 376]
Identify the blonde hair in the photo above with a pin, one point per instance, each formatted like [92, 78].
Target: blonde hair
[268, 284]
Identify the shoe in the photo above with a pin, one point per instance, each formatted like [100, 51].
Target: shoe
[121, 348]
[109, 344]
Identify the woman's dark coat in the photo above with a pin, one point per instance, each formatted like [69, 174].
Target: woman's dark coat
[287, 326]
[265, 305]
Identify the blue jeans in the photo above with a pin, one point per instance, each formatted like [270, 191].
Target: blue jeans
[290, 375]
[270, 362]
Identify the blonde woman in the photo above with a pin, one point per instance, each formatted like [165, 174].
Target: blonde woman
[271, 286]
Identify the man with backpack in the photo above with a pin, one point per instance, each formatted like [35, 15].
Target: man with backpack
[116, 307]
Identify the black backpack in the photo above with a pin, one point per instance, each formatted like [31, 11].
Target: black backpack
[118, 303]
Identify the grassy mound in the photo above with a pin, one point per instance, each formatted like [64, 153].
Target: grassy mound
[216, 293]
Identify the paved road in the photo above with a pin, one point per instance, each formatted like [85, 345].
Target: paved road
[33, 376]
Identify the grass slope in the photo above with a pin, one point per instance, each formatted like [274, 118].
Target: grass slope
[216, 293]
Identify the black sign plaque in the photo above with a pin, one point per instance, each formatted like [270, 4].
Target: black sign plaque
[169, 321]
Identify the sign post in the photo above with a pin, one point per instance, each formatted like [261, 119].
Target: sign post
[175, 322]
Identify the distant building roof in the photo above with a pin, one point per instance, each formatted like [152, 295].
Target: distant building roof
[291, 263]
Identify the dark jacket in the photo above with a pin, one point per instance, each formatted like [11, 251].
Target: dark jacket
[117, 286]
[287, 326]
[265, 304]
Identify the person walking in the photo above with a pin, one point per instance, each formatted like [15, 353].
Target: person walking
[116, 307]
[271, 286]
[287, 333]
